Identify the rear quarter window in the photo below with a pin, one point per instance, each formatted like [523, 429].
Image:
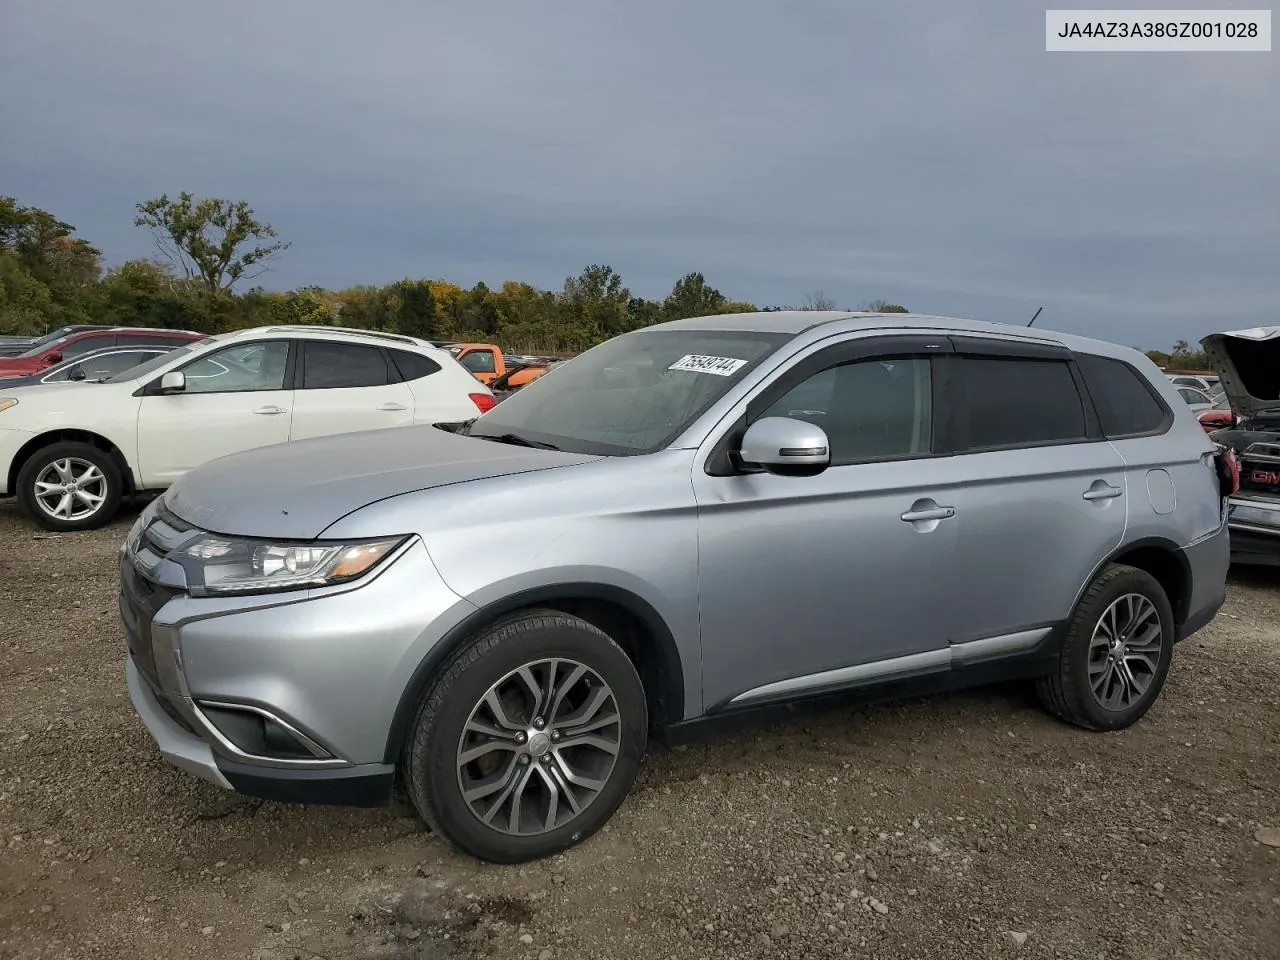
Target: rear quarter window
[1127, 405]
[413, 366]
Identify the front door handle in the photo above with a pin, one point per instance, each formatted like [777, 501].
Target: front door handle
[1101, 490]
[393, 406]
[925, 510]
[270, 411]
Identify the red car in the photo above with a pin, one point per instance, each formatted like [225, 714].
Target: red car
[1218, 417]
[74, 344]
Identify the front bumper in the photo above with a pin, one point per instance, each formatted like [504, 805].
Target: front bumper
[11, 441]
[1255, 529]
[288, 696]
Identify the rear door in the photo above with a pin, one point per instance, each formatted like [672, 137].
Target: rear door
[1040, 494]
[345, 387]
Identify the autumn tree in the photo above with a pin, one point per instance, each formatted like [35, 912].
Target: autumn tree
[215, 243]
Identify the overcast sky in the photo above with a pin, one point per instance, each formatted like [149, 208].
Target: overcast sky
[923, 152]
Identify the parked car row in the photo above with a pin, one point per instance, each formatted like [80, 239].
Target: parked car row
[46, 352]
[70, 451]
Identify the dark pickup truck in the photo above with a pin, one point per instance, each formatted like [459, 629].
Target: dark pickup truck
[1248, 363]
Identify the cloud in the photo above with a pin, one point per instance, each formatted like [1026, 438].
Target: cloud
[920, 151]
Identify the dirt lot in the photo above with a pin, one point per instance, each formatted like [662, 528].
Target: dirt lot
[955, 827]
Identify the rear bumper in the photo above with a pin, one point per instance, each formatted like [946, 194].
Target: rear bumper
[1255, 530]
[1208, 560]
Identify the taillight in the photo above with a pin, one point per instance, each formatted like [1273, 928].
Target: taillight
[484, 401]
[1228, 469]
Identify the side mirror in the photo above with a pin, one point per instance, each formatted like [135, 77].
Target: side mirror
[785, 446]
[53, 358]
[175, 381]
[76, 373]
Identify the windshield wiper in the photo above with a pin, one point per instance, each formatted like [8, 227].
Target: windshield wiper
[515, 440]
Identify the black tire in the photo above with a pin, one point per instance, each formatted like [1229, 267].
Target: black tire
[1067, 692]
[430, 761]
[112, 485]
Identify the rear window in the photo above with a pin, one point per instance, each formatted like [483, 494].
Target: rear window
[1127, 406]
[1020, 402]
[413, 366]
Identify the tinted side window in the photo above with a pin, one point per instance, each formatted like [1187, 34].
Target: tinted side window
[869, 409]
[150, 340]
[413, 366]
[1126, 405]
[330, 366]
[85, 345]
[1020, 402]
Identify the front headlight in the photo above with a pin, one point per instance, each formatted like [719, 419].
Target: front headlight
[7, 402]
[221, 565]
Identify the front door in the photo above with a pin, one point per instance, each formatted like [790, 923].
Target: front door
[234, 399]
[829, 581]
[347, 387]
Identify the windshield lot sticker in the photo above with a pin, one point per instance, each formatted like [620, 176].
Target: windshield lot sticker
[720, 366]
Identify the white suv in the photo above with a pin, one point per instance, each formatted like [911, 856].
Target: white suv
[71, 452]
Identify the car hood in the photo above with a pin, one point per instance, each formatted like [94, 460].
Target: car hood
[294, 491]
[1247, 363]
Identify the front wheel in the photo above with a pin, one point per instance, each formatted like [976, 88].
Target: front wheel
[529, 740]
[1117, 652]
[70, 486]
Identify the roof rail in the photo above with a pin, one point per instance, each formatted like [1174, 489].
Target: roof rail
[378, 334]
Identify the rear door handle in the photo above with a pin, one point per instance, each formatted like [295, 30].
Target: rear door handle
[920, 511]
[393, 406]
[270, 411]
[1102, 491]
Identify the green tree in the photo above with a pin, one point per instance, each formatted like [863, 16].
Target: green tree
[25, 303]
[68, 267]
[145, 293]
[692, 296]
[415, 309]
[215, 243]
[596, 302]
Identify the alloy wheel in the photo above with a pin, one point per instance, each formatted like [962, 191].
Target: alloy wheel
[70, 488]
[539, 747]
[1125, 651]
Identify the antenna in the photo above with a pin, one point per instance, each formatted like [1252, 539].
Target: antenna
[1033, 319]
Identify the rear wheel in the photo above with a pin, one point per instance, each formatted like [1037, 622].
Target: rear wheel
[70, 486]
[529, 740]
[1117, 652]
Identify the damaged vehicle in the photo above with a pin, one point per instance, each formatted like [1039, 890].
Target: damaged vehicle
[1248, 365]
[700, 520]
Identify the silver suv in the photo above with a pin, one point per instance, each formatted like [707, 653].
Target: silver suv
[687, 522]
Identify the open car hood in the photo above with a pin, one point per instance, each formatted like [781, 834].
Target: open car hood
[1248, 364]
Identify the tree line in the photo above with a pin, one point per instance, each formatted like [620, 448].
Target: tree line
[207, 247]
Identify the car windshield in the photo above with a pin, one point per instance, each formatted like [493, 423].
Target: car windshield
[631, 395]
[145, 369]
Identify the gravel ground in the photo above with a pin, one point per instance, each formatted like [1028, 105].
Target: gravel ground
[959, 826]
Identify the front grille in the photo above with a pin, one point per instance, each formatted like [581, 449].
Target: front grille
[141, 594]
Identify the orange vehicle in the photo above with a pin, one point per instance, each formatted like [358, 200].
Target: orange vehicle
[487, 363]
